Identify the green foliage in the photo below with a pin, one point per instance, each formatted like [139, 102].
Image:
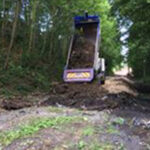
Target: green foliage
[112, 130]
[81, 145]
[29, 129]
[19, 80]
[95, 146]
[134, 15]
[88, 131]
[55, 109]
[119, 121]
[41, 39]
[104, 146]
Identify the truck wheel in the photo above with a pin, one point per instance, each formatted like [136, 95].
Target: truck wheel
[101, 79]
[102, 82]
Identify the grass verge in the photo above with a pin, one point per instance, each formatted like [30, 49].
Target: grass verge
[31, 128]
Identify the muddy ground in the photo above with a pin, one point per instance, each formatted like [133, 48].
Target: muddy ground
[114, 116]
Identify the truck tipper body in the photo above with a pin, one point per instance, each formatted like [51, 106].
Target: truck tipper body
[83, 62]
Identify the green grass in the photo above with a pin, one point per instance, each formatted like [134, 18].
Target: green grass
[22, 81]
[31, 128]
[82, 145]
[112, 130]
[88, 131]
[101, 146]
[56, 109]
[119, 121]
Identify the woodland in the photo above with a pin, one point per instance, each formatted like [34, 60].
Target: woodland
[35, 37]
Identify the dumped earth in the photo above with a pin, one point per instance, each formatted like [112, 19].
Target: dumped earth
[82, 55]
[83, 50]
[78, 117]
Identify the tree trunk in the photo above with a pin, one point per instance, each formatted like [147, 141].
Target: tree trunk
[33, 20]
[12, 34]
[44, 40]
[44, 44]
[3, 24]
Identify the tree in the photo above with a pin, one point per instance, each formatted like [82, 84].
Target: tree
[135, 16]
[17, 9]
[37, 33]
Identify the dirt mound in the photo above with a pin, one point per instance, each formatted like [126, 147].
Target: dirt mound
[91, 96]
[83, 48]
[14, 104]
[110, 101]
[82, 55]
[115, 94]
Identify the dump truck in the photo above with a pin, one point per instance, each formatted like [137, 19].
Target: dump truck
[83, 62]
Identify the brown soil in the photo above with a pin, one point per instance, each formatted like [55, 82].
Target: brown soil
[117, 98]
[82, 55]
[17, 104]
[115, 94]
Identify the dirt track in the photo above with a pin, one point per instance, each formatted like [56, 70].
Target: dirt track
[115, 112]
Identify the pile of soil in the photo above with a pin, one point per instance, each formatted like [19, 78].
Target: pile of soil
[83, 48]
[82, 55]
[14, 104]
[115, 94]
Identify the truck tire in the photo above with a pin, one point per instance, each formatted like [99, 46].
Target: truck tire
[101, 79]
[102, 82]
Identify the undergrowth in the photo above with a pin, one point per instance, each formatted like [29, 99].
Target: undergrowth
[21, 81]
